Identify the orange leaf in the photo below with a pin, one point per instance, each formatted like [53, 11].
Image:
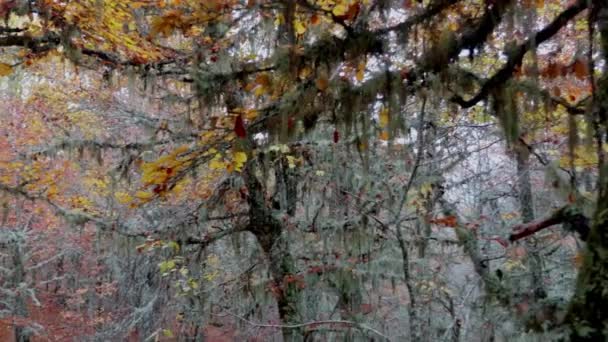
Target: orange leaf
[263, 80]
[553, 70]
[578, 260]
[580, 69]
[5, 69]
[448, 221]
[322, 83]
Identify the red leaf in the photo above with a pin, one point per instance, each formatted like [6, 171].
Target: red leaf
[336, 136]
[239, 127]
[448, 221]
[501, 241]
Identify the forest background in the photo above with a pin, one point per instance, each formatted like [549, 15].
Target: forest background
[306, 170]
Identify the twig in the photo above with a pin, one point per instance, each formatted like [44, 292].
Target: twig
[306, 324]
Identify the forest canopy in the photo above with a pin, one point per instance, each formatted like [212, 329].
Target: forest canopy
[303, 170]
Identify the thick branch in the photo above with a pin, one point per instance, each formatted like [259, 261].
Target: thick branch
[516, 56]
[432, 10]
[211, 238]
[568, 215]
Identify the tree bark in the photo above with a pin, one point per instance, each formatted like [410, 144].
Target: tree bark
[588, 312]
[268, 230]
[526, 203]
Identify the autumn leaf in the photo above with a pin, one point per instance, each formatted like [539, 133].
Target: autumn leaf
[578, 259]
[580, 69]
[239, 159]
[299, 27]
[165, 25]
[360, 71]
[142, 195]
[5, 69]
[322, 83]
[384, 117]
[217, 163]
[448, 221]
[239, 127]
[340, 9]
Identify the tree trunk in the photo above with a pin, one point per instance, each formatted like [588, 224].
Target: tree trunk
[588, 312]
[269, 232]
[526, 203]
[20, 309]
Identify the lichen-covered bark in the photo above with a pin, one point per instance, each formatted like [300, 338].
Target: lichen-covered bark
[269, 232]
[527, 214]
[588, 312]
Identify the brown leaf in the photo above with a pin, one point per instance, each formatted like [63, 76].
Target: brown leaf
[448, 221]
[322, 83]
[5, 69]
[578, 260]
[580, 69]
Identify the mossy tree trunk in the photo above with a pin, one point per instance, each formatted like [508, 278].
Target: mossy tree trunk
[526, 204]
[269, 232]
[588, 312]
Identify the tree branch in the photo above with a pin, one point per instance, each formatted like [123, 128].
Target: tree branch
[568, 215]
[516, 55]
[312, 323]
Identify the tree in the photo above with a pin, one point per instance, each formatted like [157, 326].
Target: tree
[296, 153]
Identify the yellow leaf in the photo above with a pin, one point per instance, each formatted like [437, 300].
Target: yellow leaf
[144, 195]
[123, 197]
[213, 260]
[239, 159]
[426, 189]
[251, 114]
[280, 19]
[5, 69]
[259, 91]
[217, 163]
[299, 27]
[384, 135]
[52, 191]
[291, 160]
[340, 9]
[304, 73]
[360, 71]
[384, 117]
[209, 276]
[167, 333]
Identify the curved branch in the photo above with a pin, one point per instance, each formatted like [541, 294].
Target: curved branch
[516, 55]
[568, 215]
